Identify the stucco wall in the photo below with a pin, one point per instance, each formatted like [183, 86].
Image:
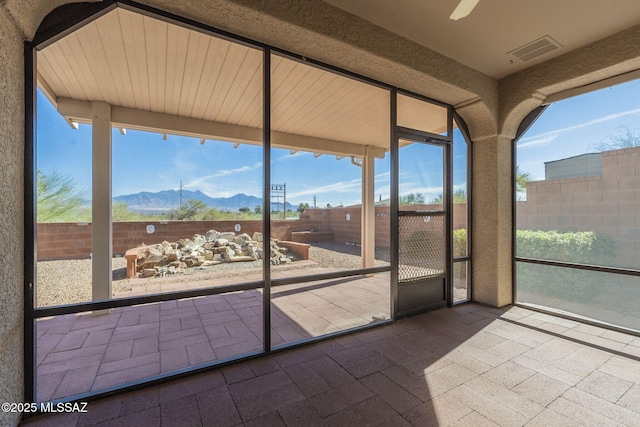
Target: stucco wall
[492, 221]
[11, 216]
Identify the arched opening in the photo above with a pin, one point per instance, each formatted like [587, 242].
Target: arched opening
[576, 209]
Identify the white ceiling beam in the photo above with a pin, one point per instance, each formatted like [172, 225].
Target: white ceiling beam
[321, 145]
[163, 123]
[80, 111]
[46, 90]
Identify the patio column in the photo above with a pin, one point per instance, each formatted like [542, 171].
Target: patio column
[368, 221]
[101, 241]
[492, 220]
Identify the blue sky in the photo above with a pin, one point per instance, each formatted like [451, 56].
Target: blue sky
[143, 161]
[573, 126]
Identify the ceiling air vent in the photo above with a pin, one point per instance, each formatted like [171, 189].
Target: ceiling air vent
[535, 49]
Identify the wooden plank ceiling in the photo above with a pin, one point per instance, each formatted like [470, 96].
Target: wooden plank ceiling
[137, 62]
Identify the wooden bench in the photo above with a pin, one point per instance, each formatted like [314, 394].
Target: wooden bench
[132, 260]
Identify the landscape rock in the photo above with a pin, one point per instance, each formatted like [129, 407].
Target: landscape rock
[148, 272]
[206, 250]
[212, 235]
[242, 239]
[172, 254]
[152, 257]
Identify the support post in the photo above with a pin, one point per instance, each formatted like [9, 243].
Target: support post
[101, 233]
[492, 220]
[368, 221]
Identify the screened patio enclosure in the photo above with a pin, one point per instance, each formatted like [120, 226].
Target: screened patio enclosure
[132, 70]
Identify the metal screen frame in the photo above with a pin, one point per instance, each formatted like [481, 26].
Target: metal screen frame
[74, 18]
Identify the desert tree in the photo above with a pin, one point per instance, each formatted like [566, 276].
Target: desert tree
[57, 198]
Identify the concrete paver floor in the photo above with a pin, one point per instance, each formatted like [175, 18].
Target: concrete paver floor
[468, 365]
[79, 353]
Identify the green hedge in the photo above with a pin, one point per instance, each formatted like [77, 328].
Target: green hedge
[581, 247]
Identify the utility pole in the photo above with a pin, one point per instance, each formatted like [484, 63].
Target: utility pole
[277, 190]
[315, 205]
[284, 202]
[180, 194]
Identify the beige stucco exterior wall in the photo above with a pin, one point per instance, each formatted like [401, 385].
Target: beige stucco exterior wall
[11, 214]
[492, 221]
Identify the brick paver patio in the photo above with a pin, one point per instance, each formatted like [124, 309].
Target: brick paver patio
[78, 353]
[469, 365]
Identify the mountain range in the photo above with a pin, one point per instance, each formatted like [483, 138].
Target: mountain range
[170, 199]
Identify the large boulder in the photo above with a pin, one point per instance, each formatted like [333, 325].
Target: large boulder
[202, 251]
[212, 235]
[152, 257]
[199, 240]
[172, 254]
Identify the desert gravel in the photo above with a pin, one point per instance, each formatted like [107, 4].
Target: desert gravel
[69, 281]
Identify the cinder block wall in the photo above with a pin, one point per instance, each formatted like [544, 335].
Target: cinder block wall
[73, 240]
[348, 230]
[607, 204]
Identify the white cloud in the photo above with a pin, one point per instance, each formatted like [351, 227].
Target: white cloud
[383, 177]
[338, 187]
[291, 156]
[582, 125]
[528, 142]
[223, 172]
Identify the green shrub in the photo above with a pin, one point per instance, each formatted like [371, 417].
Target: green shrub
[581, 247]
[460, 250]
[459, 242]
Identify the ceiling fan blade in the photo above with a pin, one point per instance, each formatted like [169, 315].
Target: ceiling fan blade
[463, 9]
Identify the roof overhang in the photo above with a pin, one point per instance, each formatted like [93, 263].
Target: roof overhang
[162, 77]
